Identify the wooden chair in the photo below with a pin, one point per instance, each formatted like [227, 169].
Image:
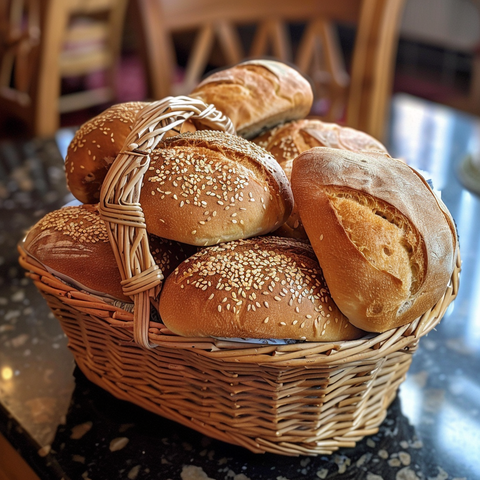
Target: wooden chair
[358, 93]
[43, 41]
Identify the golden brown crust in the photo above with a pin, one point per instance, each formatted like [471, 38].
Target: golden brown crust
[73, 243]
[257, 94]
[209, 187]
[265, 287]
[386, 245]
[95, 146]
[287, 141]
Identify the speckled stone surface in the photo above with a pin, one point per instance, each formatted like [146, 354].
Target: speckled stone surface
[66, 427]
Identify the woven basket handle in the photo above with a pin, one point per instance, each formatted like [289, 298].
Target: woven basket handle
[120, 199]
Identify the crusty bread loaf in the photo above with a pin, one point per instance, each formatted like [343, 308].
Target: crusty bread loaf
[385, 242]
[265, 287]
[209, 187]
[257, 94]
[288, 140]
[72, 243]
[95, 146]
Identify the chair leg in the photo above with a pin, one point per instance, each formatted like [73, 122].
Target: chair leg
[46, 115]
[373, 66]
[158, 52]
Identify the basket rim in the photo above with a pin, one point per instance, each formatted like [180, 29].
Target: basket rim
[368, 348]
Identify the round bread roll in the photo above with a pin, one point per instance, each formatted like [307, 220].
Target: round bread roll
[95, 146]
[257, 94]
[287, 141]
[260, 288]
[385, 242]
[209, 187]
[73, 244]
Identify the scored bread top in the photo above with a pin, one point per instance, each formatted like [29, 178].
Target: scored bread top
[386, 245]
[288, 140]
[208, 187]
[257, 94]
[264, 287]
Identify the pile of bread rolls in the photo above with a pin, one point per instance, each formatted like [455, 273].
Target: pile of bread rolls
[292, 229]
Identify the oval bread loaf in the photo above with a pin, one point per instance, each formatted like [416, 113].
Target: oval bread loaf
[209, 187]
[73, 243]
[386, 244]
[257, 94]
[266, 287]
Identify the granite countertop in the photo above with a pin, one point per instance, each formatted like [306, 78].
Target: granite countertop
[65, 427]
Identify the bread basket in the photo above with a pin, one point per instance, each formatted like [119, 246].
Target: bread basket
[294, 399]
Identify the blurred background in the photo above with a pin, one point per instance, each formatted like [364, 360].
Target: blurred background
[64, 61]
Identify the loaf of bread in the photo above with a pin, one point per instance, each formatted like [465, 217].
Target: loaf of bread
[209, 187]
[96, 144]
[73, 244]
[384, 240]
[257, 95]
[288, 140]
[260, 288]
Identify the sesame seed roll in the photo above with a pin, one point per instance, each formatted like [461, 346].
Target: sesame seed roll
[95, 146]
[73, 244]
[265, 287]
[208, 187]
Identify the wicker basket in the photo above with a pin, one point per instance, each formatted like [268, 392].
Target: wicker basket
[297, 399]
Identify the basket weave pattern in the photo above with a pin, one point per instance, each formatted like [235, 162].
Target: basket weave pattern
[298, 399]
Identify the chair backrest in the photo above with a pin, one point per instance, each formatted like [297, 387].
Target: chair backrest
[364, 86]
[43, 41]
